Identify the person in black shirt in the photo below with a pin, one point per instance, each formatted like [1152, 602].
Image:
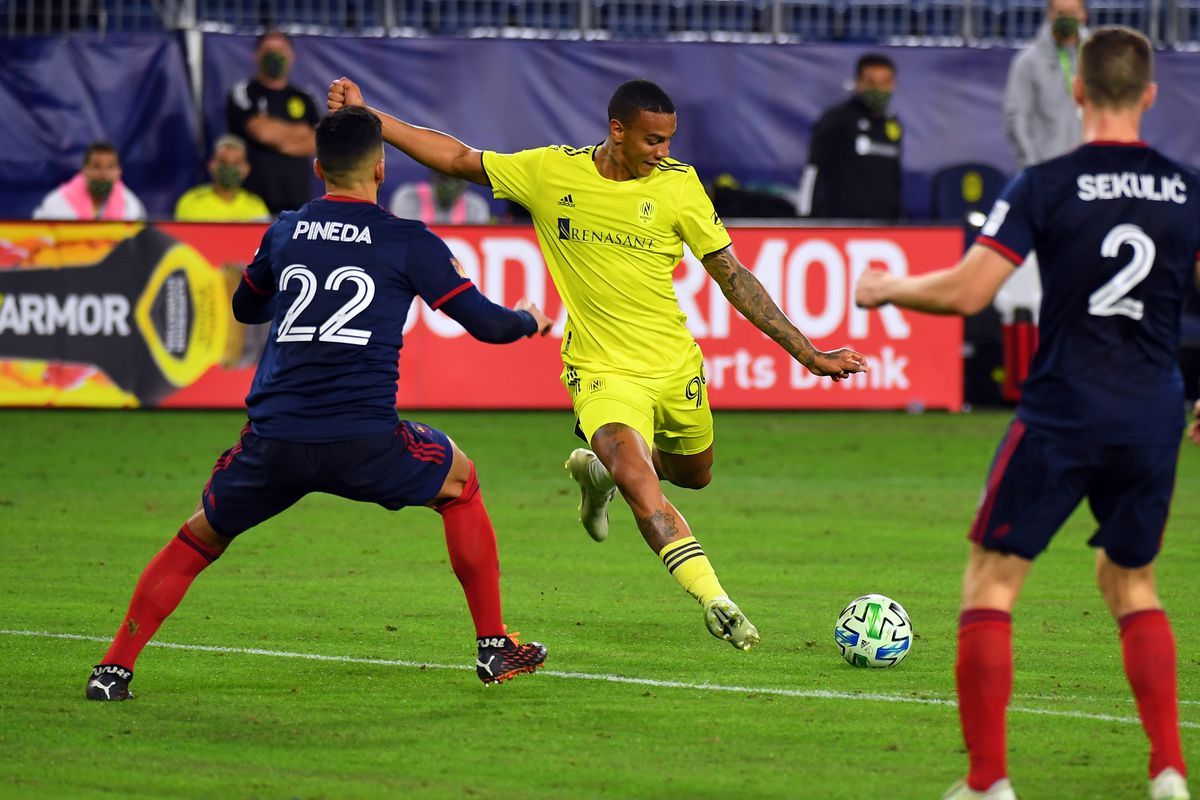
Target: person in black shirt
[853, 169]
[277, 120]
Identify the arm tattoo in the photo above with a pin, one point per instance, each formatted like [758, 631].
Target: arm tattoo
[748, 296]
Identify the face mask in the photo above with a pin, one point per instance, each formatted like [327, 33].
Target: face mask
[876, 100]
[1065, 28]
[273, 64]
[100, 189]
[446, 192]
[227, 176]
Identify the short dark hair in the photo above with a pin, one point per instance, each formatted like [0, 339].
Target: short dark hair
[346, 139]
[635, 96]
[100, 146]
[1116, 65]
[1050, 6]
[872, 60]
[273, 33]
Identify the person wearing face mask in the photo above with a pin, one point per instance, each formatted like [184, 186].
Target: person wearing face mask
[223, 200]
[95, 193]
[853, 169]
[1041, 120]
[277, 120]
[440, 200]
[1042, 123]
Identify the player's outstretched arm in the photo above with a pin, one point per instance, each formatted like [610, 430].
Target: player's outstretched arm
[436, 150]
[966, 288]
[493, 323]
[748, 296]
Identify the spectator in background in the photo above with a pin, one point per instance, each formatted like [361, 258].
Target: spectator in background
[1040, 115]
[1042, 122]
[96, 191]
[223, 200]
[277, 121]
[442, 199]
[853, 167]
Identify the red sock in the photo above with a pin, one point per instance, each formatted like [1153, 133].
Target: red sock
[984, 673]
[471, 541]
[159, 590]
[1148, 648]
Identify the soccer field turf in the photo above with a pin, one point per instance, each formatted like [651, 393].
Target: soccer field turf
[349, 639]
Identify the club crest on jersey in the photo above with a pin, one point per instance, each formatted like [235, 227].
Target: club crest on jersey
[332, 231]
[645, 211]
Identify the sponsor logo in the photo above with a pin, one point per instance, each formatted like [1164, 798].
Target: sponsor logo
[570, 233]
[996, 218]
[491, 641]
[457, 267]
[107, 689]
[332, 232]
[487, 666]
[567, 200]
[596, 385]
[75, 314]
[865, 146]
[893, 130]
[112, 669]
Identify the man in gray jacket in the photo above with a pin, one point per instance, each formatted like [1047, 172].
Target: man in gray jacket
[1040, 117]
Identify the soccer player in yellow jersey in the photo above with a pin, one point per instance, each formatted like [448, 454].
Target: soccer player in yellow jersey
[612, 220]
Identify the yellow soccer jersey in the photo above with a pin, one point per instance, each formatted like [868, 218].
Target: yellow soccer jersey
[203, 204]
[611, 247]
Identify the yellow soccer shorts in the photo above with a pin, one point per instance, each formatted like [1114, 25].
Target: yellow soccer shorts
[671, 413]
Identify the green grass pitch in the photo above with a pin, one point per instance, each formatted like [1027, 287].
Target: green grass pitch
[806, 512]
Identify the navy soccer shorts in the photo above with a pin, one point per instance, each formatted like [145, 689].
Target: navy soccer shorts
[258, 478]
[1038, 480]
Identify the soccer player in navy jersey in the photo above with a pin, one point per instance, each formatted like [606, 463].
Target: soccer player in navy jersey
[336, 279]
[1116, 226]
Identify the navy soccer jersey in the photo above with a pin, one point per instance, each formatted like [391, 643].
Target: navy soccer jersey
[343, 274]
[1116, 229]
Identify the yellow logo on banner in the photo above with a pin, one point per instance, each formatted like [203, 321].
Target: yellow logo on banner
[211, 316]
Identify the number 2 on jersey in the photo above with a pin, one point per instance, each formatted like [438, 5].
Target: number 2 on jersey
[1110, 299]
[333, 329]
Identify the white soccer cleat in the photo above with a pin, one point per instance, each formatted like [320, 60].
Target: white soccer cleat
[593, 501]
[1000, 790]
[1169, 785]
[726, 621]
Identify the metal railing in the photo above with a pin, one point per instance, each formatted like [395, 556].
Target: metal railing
[1169, 23]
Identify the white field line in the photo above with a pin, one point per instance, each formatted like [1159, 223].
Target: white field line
[819, 694]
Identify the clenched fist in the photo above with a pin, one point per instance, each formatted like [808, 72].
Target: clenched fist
[344, 92]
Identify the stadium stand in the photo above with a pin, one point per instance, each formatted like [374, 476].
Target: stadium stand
[1169, 23]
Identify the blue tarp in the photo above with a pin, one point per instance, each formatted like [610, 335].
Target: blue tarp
[57, 95]
[746, 109]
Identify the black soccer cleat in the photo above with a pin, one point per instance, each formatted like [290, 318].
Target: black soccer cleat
[503, 657]
[109, 682]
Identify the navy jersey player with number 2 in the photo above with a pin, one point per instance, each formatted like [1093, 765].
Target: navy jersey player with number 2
[1116, 227]
[336, 279]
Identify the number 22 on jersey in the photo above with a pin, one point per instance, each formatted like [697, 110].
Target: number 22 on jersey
[334, 328]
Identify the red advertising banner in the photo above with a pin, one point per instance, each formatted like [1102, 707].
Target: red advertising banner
[129, 315]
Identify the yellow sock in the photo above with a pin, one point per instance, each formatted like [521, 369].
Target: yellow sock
[685, 559]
